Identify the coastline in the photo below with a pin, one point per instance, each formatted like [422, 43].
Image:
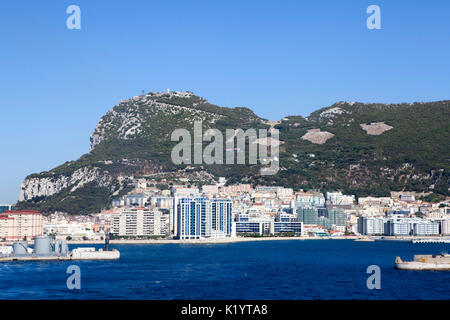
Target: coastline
[209, 241]
[245, 239]
[249, 239]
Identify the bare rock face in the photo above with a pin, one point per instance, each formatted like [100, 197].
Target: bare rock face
[48, 186]
[130, 118]
[375, 128]
[330, 113]
[318, 137]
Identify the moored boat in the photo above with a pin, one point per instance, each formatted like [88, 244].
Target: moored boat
[425, 262]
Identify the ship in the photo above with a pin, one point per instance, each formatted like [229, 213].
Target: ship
[45, 248]
[425, 262]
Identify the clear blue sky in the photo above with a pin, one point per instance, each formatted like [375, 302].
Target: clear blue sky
[277, 57]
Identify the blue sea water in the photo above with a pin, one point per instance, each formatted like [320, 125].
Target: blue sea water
[290, 269]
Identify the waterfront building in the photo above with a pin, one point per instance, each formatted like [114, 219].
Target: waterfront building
[199, 218]
[253, 221]
[17, 225]
[221, 217]
[371, 226]
[397, 226]
[445, 227]
[262, 224]
[322, 216]
[337, 217]
[315, 230]
[286, 222]
[139, 222]
[425, 228]
[254, 227]
[307, 215]
[409, 226]
[288, 227]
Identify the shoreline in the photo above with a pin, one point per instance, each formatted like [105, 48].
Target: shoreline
[246, 239]
[249, 239]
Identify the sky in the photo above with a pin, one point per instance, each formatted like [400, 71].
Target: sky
[278, 58]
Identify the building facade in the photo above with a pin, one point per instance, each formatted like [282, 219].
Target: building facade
[398, 226]
[138, 222]
[18, 225]
[5, 207]
[198, 218]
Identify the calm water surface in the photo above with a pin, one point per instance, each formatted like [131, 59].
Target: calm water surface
[309, 269]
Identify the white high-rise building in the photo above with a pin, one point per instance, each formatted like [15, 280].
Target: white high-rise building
[372, 226]
[138, 222]
[198, 218]
[445, 227]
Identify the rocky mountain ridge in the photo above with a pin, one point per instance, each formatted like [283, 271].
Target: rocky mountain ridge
[350, 146]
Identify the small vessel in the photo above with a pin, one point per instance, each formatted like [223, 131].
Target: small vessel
[425, 262]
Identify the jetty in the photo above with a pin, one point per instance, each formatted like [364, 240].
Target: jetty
[430, 241]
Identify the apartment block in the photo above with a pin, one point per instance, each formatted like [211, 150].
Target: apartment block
[139, 222]
[17, 225]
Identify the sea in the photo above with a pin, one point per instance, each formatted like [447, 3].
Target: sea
[257, 270]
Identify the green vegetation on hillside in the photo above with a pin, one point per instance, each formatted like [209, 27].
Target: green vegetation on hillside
[413, 155]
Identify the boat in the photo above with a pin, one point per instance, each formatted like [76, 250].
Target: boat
[425, 262]
[92, 254]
